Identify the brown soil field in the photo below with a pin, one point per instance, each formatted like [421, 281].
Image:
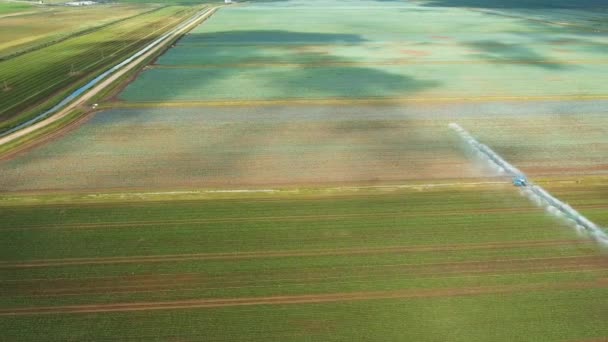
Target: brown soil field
[308, 146]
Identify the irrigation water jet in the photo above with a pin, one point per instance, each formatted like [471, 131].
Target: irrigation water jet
[533, 192]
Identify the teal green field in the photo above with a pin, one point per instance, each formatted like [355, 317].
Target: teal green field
[363, 50]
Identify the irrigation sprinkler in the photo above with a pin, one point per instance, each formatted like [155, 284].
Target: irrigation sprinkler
[533, 192]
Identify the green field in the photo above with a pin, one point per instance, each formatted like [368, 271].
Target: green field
[371, 264]
[47, 25]
[14, 7]
[285, 172]
[31, 79]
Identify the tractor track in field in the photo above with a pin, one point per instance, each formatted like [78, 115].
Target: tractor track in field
[290, 218]
[302, 299]
[343, 280]
[304, 277]
[282, 254]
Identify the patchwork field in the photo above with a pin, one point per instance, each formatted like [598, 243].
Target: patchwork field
[323, 267]
[286, 172]
[270, 52]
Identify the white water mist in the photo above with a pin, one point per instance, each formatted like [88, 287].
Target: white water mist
[535, 193]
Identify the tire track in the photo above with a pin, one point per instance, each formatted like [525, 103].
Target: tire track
[282, 254]
[306, 277]
[301, 299]
[143, 223]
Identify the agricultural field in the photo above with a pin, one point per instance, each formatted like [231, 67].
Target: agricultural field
[464, 264]
[42, 26]
[31, 79]
[261, 146]
[281, 53]
[7, 8]
[285, 172]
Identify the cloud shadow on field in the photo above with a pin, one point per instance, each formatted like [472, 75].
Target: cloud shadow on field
[252, 37]
[321, 74]
[501, 52]
[518, 4]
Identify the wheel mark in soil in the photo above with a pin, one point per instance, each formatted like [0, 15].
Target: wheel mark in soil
[250, 284]
[302, 299]
[282, 254]
[286, 218]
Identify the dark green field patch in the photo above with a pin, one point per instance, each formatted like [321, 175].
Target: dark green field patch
[451, 250]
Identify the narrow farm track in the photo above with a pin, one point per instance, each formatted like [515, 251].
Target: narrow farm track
[302, 299]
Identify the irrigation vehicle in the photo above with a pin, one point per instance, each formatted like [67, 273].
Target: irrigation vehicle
[520, 181]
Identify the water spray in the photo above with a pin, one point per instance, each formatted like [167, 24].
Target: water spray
[535, 193]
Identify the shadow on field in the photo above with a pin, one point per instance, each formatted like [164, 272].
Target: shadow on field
[253, 37]
[276, 79]
[501, 52]
[519, 4]
[558, 15]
